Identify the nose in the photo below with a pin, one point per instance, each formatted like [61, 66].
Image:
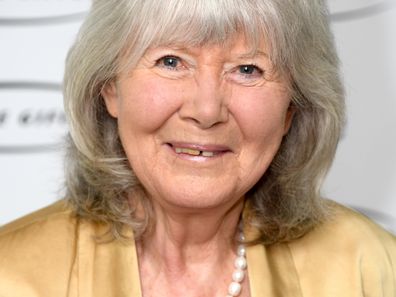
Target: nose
[205, 103]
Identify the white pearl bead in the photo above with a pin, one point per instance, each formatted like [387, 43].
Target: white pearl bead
[240, 263]
[241, 250]
[234, 289]
[238, 276]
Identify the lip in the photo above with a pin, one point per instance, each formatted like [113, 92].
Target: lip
[201, 147]
[219, 151]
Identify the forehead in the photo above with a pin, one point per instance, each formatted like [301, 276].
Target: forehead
[237, 44]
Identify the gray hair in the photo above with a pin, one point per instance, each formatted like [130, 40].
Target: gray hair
[286, 202]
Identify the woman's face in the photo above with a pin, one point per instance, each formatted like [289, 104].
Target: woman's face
[200, 125]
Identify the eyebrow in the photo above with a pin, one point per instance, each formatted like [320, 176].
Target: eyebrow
[253, 54]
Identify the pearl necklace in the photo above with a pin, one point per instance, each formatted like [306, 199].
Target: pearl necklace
[240, 265]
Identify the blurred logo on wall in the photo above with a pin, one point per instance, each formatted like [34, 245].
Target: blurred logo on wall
[31, 117]
[343, 10]
[30, 12]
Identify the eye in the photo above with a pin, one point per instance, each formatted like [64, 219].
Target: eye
[250, 70]
[170, 62]
[247, 74]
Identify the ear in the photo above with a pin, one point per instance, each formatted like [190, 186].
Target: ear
[289, 118]
[110, 97]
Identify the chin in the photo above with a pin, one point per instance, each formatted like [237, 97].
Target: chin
[199, 199]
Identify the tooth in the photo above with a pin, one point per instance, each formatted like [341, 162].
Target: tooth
[188, 151]
[207, 154]
[192, 152]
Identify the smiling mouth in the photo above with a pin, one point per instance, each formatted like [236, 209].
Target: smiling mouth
[197, 150]
[192, 152]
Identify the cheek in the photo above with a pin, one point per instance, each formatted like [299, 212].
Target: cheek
[148, 104]
[261, 114]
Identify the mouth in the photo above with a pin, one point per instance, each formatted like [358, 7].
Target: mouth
[208, 151]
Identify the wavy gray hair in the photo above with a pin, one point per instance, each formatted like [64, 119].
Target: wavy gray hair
[286, 201]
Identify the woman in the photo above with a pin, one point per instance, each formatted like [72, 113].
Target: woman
[200, 133]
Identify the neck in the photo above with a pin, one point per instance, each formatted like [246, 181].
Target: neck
[184, 235]
[191, 248]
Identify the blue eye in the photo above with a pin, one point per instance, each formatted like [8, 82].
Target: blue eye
[249, 69]
[246, 74]
[169, 62]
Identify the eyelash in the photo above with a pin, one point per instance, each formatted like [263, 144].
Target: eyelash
[255, 68]
[160, 62]
[256, 71]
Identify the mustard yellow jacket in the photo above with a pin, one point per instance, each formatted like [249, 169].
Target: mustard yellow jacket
[51, 253]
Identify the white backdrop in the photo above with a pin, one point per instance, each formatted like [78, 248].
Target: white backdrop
[35, 36]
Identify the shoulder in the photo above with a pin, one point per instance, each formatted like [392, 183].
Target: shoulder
[347, 228]
[52, 222]
[58, 210]
[349, 251]
[37, 248]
